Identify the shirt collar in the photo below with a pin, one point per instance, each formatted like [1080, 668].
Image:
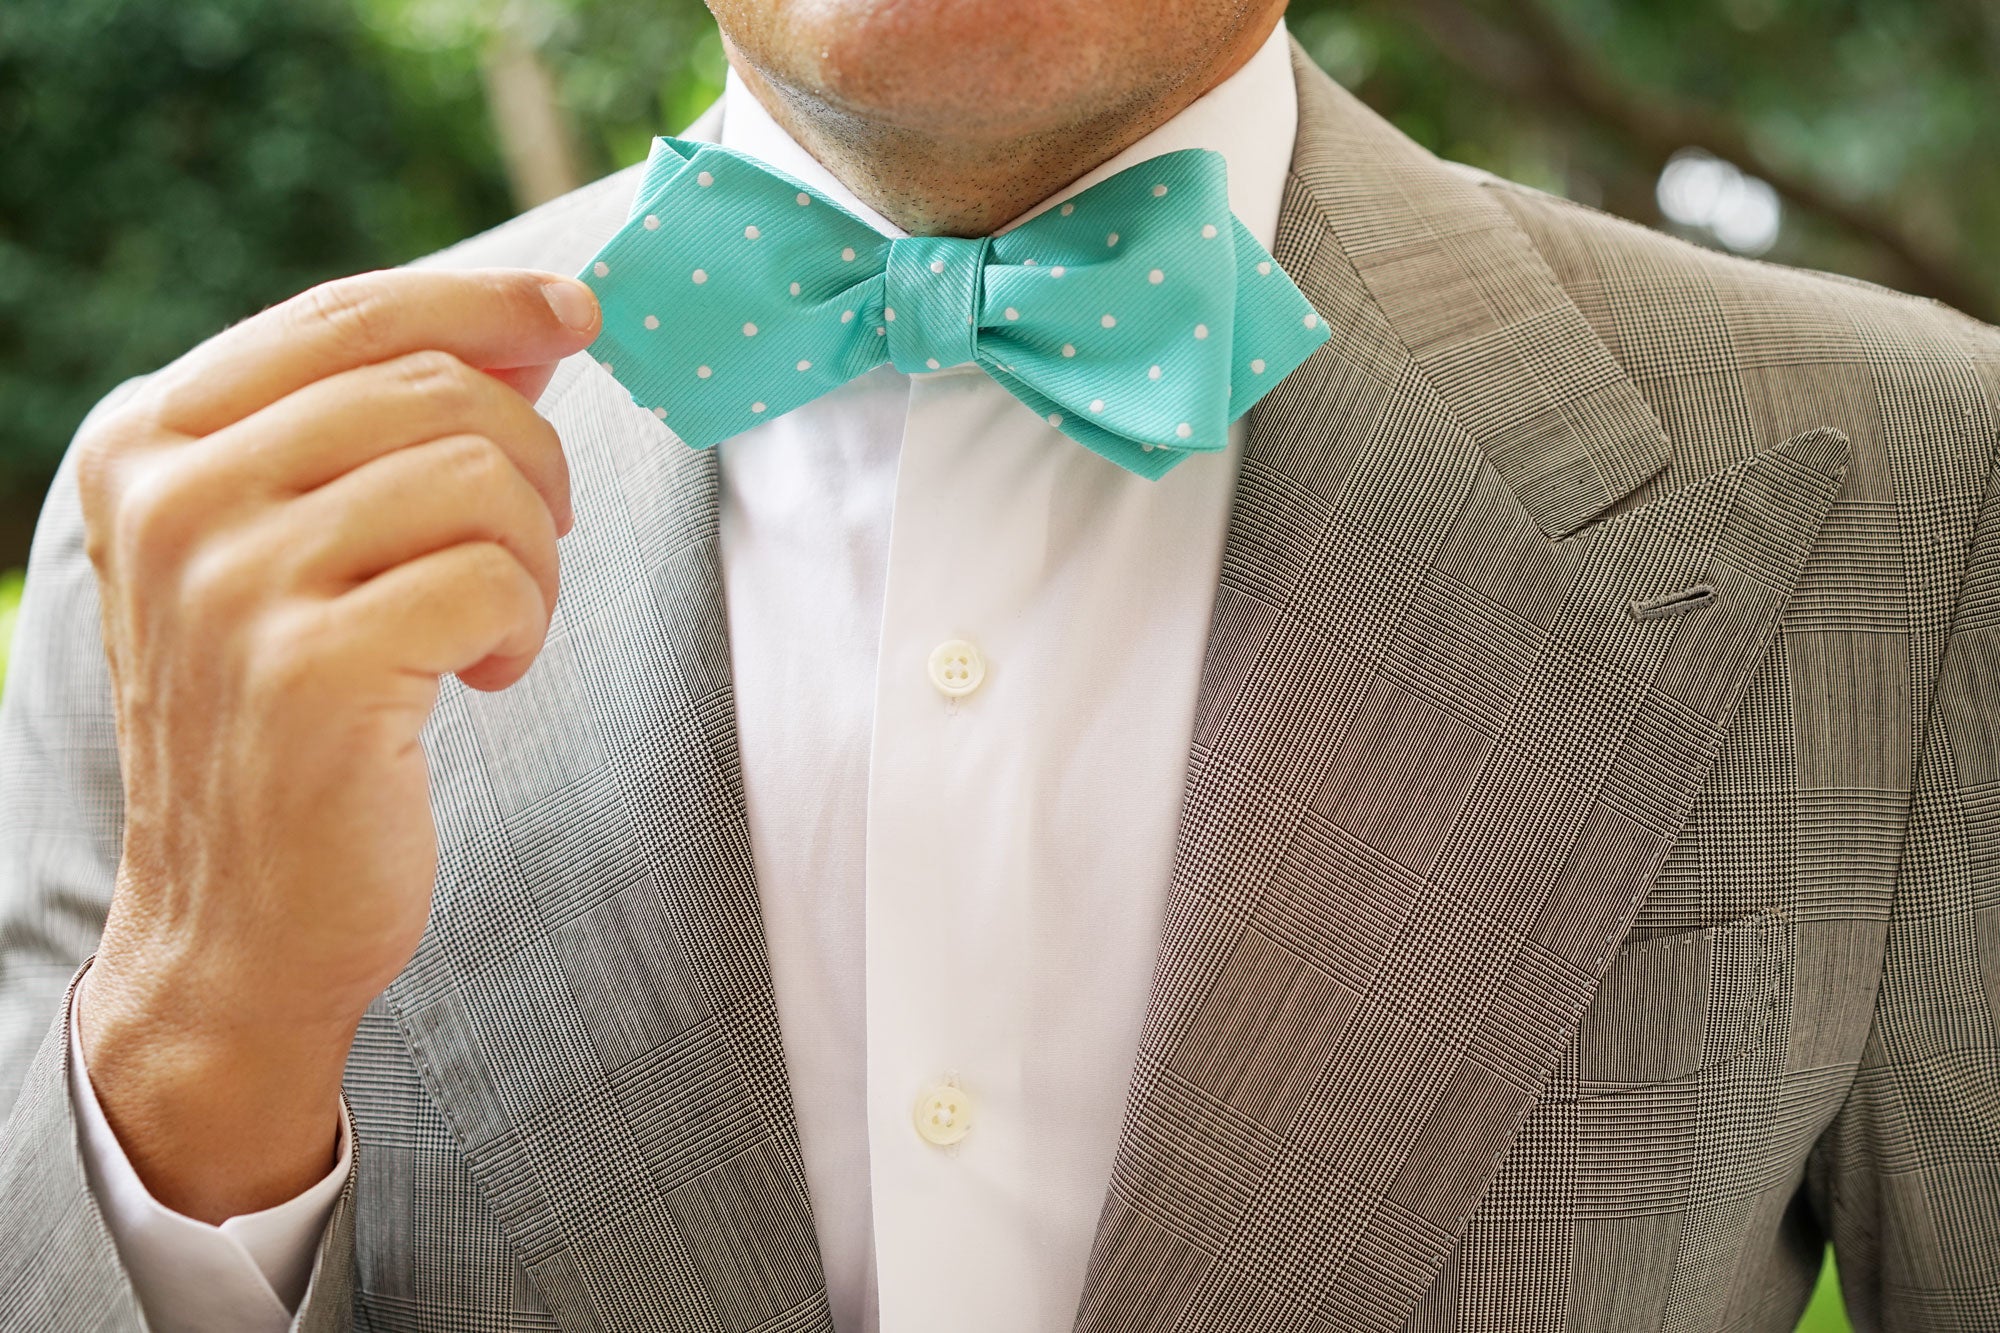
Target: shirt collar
[1250, 118]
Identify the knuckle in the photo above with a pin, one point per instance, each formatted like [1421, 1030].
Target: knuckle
[105, 442]
[510, 591]
[439, 379]
[155, 513]
[353, 311]
[477, 464]
[97, 461]
[219, 583]
[291, 654]
[492, 564]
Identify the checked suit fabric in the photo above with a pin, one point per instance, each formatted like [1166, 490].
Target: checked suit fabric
[1583, 906]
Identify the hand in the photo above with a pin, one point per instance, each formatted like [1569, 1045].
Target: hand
[297, 528]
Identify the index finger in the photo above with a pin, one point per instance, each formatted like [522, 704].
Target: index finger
[495, 319]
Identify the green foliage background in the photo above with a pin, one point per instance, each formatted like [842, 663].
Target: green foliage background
[168, 168]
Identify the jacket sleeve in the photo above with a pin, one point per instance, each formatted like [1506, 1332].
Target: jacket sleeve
[61, 830]
[1906, 1181]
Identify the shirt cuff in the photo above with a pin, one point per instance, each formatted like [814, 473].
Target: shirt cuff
[248, 1274]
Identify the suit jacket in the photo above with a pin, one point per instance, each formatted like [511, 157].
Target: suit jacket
[1587, 893]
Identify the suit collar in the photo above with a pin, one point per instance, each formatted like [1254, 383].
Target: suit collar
[1476, 309]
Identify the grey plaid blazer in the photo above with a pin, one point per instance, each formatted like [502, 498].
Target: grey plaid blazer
[1587, 898]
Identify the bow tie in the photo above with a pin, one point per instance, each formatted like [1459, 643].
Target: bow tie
[1139, 317]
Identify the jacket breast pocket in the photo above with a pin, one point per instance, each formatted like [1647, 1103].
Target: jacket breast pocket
[1661, 1106]
[1677, 1006]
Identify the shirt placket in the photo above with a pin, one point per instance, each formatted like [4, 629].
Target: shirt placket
[946, 931]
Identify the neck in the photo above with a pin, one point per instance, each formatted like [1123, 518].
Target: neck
[933, 183]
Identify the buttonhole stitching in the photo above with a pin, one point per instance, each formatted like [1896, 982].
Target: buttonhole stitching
[1673, 603]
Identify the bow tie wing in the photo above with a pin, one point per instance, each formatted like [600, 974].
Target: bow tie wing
[733, 294]
[1276, 326]
[1109, 314]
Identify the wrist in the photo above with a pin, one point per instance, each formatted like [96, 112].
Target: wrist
[217, 1118]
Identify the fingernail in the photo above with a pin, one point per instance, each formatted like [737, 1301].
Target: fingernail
[574, 304]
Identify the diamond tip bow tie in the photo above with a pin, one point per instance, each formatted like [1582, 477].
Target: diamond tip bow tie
[1139, 318]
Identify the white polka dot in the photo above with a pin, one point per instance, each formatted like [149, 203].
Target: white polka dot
[804, 365]
[1147, 447]
[1312, 321]
[888, 314]
[601, 269]
[795, 289]
[937, 266]
[1057, 271]
[749, 330]
[1027, 263]
[847, 253]
[1055, 418]
[652, 321]
[1109, 321]
[704, 180]
[1159, 191]
[1112, 239]
[1201, 330]
[1012, 313]
[652, 222]
[756, 407]
[1156, 277]
[751, 233]
[1068, 209]
[1208, 232]
[700, 276]
[1153, 373]
[931, 361]
[1264, 267]
[847, 316]
[1257, 366]
[1097, 404]
[1069, 349]
[879, 330]
[660, 412]
[703, 372]
[1184, 430]
[803, 198]
[606, 365]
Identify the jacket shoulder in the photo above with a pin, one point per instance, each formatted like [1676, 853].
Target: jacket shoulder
[561, 235]
[558, 236]
[1738, 354]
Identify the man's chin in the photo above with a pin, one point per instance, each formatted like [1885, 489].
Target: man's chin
[962, 69]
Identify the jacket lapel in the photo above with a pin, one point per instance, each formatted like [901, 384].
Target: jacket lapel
[591, 1006]
[1457, 705]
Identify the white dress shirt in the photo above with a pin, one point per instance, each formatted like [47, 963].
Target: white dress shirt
[963, 888]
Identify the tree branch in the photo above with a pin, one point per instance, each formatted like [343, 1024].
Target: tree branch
[1532, 56]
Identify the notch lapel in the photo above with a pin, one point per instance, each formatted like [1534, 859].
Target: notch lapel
[1438, 758]
[591, 1006]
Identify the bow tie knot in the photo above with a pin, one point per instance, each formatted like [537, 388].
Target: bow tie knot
[1139, 317]
[930, 300]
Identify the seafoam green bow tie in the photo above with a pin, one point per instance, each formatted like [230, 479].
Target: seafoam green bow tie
[1139, 318]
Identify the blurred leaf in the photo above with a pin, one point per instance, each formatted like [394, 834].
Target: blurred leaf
[11, 583]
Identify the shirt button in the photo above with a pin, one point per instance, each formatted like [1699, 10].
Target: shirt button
[943, 1114]
[956, 667]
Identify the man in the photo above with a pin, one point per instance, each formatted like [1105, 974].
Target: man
[1510, 842]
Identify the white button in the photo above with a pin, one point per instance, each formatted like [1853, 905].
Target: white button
[943, 1114]
[956, 667]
